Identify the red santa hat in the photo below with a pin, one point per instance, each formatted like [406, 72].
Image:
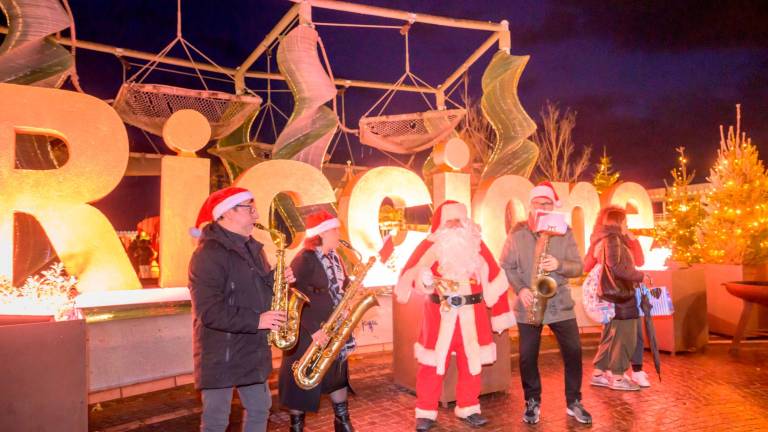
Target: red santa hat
[218, 203]
[320, 222]
[545, 190]
[446, 211]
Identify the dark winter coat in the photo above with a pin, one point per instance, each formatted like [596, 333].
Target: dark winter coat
[618, 257]
[312, 281]
[231, 286]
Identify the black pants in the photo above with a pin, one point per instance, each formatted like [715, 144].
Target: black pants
[567, 334]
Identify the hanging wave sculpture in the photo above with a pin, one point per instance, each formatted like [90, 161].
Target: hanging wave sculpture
[308, 132]
[513, 153]
[26, 55]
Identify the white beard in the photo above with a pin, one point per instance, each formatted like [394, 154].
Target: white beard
[458, 251]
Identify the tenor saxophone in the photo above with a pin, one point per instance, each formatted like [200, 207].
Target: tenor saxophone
[284, 298]
[543, 286]
[313, 365]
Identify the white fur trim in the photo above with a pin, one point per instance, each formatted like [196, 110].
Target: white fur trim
[427, 357]
[542, 191]
[230, 202]
[468, 327]
[452, 211]
[444, 336]
[426, 414]
[493, 290]
[499, 323]
[487, 354]
[322, 227]
[411, 278]
[464, 412]
[424, 356]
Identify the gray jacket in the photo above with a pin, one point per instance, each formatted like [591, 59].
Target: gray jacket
[517, 261]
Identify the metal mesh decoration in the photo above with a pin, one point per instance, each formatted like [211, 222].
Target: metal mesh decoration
[148, 106]
[408, 133]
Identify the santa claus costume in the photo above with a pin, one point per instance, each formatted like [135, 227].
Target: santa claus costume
[461, 324]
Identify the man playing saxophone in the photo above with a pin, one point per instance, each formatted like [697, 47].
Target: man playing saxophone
[561, 260]
[230, 283]
[461, 279]
[322, 278]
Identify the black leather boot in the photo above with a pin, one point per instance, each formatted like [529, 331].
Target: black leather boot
[341, 421]
[297, 423]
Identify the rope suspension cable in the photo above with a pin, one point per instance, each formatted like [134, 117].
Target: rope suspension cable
[453, 89]
[73, 76]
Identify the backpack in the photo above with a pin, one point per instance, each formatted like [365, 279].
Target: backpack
[596, 308]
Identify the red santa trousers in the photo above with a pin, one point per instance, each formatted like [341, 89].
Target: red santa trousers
[429, 384]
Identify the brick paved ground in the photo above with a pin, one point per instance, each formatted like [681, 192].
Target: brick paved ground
[710, 390]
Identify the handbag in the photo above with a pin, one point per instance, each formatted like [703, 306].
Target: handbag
[612, 288]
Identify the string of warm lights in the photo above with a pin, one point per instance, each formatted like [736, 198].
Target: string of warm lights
[605, 177]
[679, 231]
[735, 229]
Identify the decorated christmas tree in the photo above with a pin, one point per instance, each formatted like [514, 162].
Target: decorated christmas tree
[683, 215]
[604, 177]
[735, 229]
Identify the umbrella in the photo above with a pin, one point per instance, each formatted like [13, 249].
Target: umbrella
[645, 306]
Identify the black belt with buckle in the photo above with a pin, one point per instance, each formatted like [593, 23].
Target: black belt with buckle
[457, 300]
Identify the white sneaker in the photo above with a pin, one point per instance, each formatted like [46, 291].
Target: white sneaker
[600, 380]
[623, 384]
[640, 377]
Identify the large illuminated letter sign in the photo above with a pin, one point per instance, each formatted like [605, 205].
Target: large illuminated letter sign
[98, 155]
[636, 200]
[490, 206]
[305, 184]
[582, 203]
[184, 184]
[360, 205]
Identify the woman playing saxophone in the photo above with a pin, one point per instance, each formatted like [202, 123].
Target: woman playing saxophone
[320, 275]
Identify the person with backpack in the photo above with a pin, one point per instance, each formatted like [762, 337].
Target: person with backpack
[611, 247]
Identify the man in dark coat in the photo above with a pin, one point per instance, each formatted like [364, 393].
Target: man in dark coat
[230, 282]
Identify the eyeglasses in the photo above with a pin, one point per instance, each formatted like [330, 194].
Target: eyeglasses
[542, 204]
[250, 208]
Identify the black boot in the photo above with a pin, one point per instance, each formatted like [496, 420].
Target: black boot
[297, 423]
[341, 421]
[424, 424]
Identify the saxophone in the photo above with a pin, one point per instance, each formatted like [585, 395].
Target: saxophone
[284, 298]
[311, 368]
[543, 286]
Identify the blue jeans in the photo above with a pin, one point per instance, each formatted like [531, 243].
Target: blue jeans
[217, 403]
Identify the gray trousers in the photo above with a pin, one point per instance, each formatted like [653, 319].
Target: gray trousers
[217, 403]
[617, 345]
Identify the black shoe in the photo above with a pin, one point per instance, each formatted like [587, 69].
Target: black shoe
[532, 412]
[297, 423]
[576, 410]
[475, 420]
[424, 424]
[341, 422]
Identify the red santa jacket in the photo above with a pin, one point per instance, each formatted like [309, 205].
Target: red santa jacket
[438, 326]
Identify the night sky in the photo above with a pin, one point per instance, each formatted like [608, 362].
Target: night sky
[643, 77]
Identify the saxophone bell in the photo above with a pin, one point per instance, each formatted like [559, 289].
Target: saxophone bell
[308, 372]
